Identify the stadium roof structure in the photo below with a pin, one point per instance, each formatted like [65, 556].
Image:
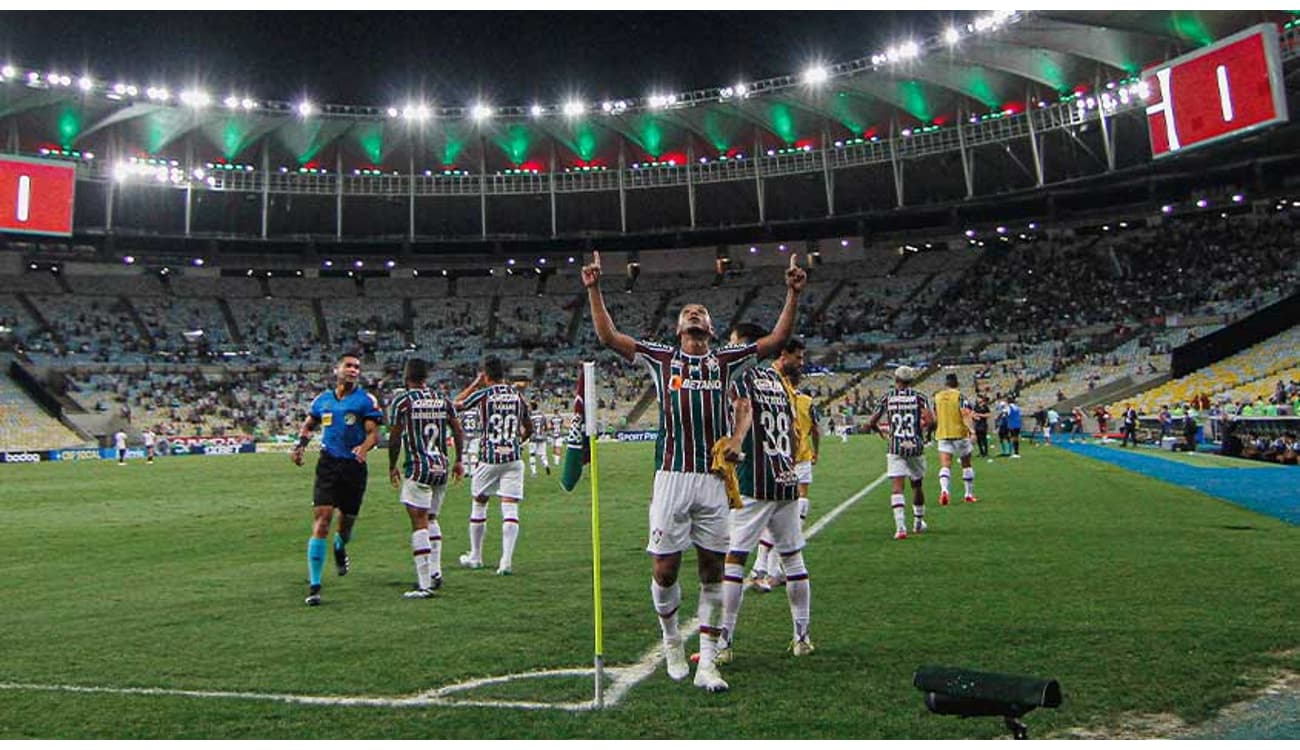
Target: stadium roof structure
[1038, 96]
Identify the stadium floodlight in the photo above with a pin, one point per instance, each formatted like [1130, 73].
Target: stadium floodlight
[392, 112]
[816, 75]
[909, 50]
[128, 259]
[742, 90]
[1167, 209]
[231, 102]
[535, 110]
[952, 35]
[480, 112]
[1202, 203]
[572, 259]
[574, 108]
[248, 104]
[33, 77]
[328, 263]
[305, 108]
[390, 264]
[1002, 230]
[358, 263]
[199, 173]
[8, 71]
[844, 243]
[726, 92]
[1238, 198]
[85, 84]
[198, 261]
[196, 99]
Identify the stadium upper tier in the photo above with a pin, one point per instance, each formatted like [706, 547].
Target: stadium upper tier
[1021, 101]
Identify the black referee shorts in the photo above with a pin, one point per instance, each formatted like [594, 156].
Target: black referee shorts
[340, 482]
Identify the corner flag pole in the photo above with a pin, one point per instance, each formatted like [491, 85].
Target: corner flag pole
[589, 409]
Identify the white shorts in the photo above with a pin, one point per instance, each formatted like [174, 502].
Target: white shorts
[506, 480]
[686, 509]
[960, 446]
[471, 450]
[803, 472]
[912, 467]
[780, 517]
[536, 447]
[558, 442]
[426, 496]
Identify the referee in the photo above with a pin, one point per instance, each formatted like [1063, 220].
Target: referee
[350, 417]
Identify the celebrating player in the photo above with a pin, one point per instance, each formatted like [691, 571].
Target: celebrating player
[689, 504]
[505, 423]
[766, 440]
[421, 419]
[350, 417]
[955, 426]
[909, 419]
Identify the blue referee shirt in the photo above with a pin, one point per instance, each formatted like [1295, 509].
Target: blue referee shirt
[344, 419]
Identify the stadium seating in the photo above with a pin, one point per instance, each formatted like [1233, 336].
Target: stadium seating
[24, 427]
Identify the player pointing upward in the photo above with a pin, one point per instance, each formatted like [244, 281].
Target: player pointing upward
[689, 504]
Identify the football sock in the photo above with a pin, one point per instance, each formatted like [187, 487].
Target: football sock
[315, 559]
[897, 502]
[435, 547]
[710, 599]
[341, 540]
[945, 478]
[804, 504]
[733, 590]
[532, 463]
[667, 600]
[420, 551]
[509, 532]
[477, 528]
[760, 558]
[968, 478]
[799, 592]
[1015, 445]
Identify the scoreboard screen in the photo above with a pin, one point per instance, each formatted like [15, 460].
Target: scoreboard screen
[1230, 88]
[36, 196]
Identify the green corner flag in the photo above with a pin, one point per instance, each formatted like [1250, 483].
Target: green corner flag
[577, 451]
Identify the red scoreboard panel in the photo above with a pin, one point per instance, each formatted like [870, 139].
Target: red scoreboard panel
[1229, 88]
[36, 196]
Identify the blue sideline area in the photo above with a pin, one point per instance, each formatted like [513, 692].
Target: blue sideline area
[1273, 491]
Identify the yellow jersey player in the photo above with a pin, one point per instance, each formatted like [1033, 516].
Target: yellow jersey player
[953, 431]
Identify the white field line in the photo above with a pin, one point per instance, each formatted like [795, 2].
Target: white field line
[620, 679]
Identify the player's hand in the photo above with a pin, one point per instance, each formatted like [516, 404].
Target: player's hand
[733, 452]
[795, 277]
[395, 477]
[457, 472]
[591, 271]
[296, 456]
[814, 459]
[360, 452]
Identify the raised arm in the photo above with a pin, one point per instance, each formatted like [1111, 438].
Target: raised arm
[610, 336]
[795, 280]
[459, 400]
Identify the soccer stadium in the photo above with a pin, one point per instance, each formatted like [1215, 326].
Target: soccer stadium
[1062, 245]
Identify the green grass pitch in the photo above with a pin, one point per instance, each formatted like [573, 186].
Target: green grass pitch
[1140, 597]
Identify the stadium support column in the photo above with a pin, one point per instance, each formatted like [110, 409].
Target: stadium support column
[1107, 136]
[622, 188]
[967, 167]
[895, 163]
[758, 177]
[550, 181]
[109, 194]
[266, 186]
[13, 136]
[189, 184]
[690, 182]
[410, 182]
[826, 171]
[338, 194]
[482, 186]
[1033, 141]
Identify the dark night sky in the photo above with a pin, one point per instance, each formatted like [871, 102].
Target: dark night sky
[383, 58]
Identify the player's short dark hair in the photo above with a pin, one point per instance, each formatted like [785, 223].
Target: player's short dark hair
[795, 344]
[349, 353]
[748, 333]
[950, 380]
[494, 368]
[417, 370]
